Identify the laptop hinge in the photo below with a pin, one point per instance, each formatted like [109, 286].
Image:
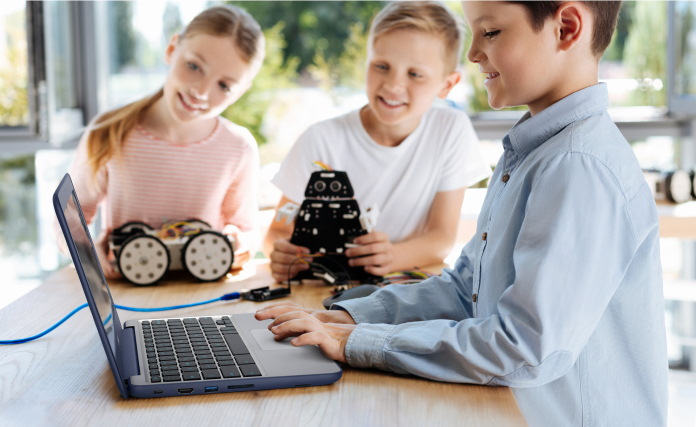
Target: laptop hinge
[128, 354]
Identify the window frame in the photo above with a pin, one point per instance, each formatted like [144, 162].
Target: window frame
[86, 35]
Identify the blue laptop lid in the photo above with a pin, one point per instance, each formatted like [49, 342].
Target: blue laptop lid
[79, 241]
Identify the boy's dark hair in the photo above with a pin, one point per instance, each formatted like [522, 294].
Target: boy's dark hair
[605, 13]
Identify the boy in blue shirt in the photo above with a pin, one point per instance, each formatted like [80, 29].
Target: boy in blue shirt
[559, 296]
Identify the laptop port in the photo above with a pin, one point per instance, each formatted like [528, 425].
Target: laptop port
[159, 391]
[185, 390]
[211, 389]
[232, 387]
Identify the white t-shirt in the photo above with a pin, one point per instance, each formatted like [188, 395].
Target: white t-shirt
[442, 154]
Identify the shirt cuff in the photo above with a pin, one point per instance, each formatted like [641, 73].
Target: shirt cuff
[365, 346]
[364, 310]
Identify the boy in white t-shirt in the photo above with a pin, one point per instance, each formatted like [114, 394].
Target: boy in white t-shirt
[409, 159]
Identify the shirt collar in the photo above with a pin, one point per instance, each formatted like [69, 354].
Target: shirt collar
[530, 132]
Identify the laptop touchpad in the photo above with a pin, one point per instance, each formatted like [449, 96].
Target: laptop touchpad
[264, 338]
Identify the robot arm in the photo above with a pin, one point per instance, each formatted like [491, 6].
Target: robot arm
[288, 212]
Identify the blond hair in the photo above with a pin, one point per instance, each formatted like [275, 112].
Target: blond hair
[428, 17]
[108, 132]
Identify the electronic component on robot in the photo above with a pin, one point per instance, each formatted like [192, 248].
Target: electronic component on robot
[287, 212]
[144, 255]
[327, 222]
[673, 186]
[368, 218]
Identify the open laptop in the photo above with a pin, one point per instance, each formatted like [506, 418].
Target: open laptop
[195, 355]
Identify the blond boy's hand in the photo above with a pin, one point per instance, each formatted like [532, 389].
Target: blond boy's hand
[284, 260]
[374, 252]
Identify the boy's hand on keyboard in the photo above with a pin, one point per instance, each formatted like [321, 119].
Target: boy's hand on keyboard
[326, 316]
[307, 329]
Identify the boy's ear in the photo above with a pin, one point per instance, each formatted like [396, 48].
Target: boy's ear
[450, 81]
[572, 20]
[170, 48]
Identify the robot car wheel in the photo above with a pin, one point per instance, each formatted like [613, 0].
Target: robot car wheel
[143, 259]
[208, 256]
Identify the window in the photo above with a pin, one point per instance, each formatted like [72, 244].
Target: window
[14, 100]
[135, 39]
[683, 57]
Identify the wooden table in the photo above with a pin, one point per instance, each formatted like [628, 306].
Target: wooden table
[63, 379]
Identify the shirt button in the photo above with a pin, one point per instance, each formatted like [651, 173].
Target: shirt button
[506, 177]
[474, 297]
[484, 236]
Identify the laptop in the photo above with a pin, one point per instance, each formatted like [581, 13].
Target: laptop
[159, 357]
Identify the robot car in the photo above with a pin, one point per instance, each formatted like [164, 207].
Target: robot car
[144, 255]
[675, 186]
[327, 222]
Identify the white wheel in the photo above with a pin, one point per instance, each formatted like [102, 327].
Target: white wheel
[208, 256]
[143, 260]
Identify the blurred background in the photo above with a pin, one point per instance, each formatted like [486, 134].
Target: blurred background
[64, 62]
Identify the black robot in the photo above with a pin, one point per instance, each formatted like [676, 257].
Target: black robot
[327, 222]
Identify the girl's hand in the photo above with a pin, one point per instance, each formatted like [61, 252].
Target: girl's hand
[374, 252]
[284, 260]
[106, 261]
[307, 329]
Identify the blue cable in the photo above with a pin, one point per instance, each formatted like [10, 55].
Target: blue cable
[226, 297]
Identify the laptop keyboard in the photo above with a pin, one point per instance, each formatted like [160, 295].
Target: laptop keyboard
[196, 349]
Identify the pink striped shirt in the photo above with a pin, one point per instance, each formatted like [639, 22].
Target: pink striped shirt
[155, 181]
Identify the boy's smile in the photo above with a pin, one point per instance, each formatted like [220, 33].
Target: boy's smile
[521, 66]
[406, 71]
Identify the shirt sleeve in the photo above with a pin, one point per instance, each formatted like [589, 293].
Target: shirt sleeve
[240, 205]
[562, 283]
[464, 162]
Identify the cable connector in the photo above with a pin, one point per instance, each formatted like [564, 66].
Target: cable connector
[325, 276]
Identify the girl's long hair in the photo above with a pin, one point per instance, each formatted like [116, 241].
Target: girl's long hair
[107, 133]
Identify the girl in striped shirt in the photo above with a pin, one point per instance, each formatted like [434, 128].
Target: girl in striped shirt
[170, 156]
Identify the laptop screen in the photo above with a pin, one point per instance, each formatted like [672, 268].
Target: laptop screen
[89, 262]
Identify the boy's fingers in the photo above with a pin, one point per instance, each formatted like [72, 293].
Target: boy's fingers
[274, 312]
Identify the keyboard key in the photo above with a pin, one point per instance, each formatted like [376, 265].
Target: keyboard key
[244, 359]
[236, 344]
[210, 374]
[170, 378]
[250, 370]
[206, 366]
[184, 364]
[191, 376]
[230, 372]
[223, 355]
[156, 379]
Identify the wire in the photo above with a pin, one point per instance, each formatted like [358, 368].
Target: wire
[322, 165]
[226, 297]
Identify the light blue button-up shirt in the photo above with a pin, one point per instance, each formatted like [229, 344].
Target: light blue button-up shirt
[559, 295]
